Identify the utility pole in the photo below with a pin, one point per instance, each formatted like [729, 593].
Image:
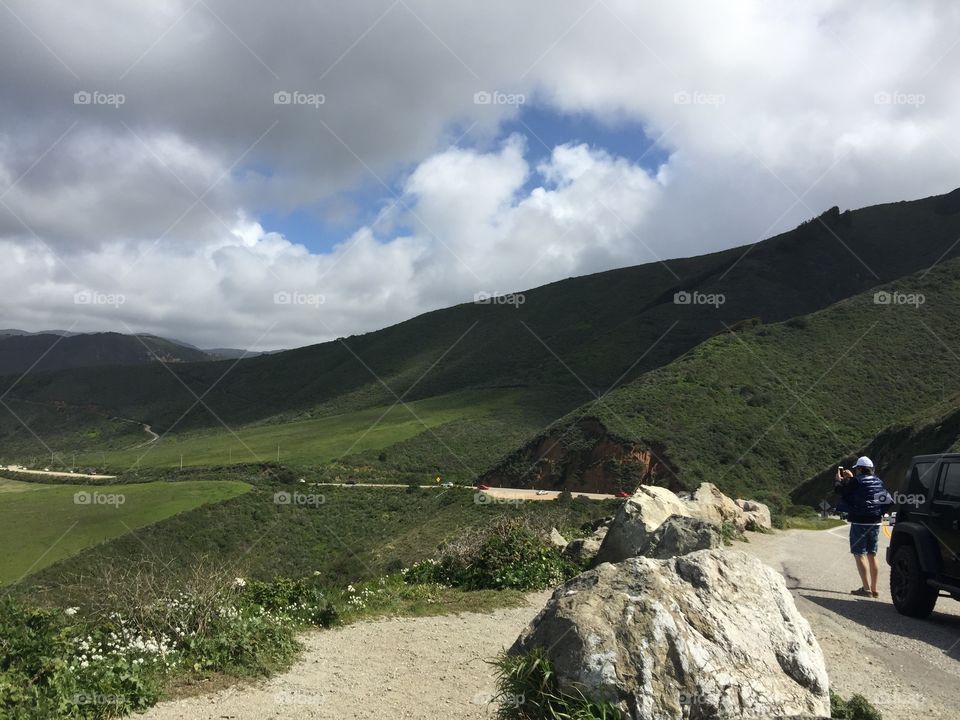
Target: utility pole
[181, 461]
[278, 452]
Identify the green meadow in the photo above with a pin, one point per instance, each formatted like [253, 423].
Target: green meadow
[41, 524]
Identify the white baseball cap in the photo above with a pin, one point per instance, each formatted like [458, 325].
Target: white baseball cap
[864, 462]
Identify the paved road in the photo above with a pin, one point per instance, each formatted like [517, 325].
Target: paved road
[494, 492]
[908, 668]
[153, 437]
[15, 468]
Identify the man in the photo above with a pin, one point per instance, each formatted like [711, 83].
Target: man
[864, 499]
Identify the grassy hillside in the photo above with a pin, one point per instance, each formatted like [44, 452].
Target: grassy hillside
[345, 534]
[41, 524]
[591, 331]
[763, 408]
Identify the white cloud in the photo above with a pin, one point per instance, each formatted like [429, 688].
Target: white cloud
[770, 112]
[486, 230]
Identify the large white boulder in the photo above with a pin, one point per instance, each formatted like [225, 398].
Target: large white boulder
[757, 514]
[636, 519]
[709, 504]
[712, 635]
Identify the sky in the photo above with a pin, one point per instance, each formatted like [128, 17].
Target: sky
[271, 175]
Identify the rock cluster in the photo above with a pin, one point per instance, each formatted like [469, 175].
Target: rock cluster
[650, 507]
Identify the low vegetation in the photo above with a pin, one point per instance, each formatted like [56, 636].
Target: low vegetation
[528, 689]
[148, 633]
[509, 554]
[856, 708]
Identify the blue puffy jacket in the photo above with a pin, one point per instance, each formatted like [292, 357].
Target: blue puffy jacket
[865, 498]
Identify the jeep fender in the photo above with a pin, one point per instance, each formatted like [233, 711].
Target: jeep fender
[915, 534]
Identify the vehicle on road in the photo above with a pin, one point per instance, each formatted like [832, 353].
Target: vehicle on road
[541, 492]
[351, 481]
[623, 494]
[924, 552]
[447, 484]
[483, 487]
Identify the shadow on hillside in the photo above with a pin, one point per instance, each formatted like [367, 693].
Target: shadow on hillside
[940, 631]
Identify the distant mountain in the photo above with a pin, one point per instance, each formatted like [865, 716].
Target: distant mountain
[61, 333]
[39, 352]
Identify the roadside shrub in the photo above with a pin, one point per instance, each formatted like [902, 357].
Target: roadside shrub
[856, 708]
[527, 689]
[113, 656]
[730, 532]
[298, 599]
[47, 669]
[508, 554]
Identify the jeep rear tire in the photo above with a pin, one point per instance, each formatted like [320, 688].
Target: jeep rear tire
[908, 585]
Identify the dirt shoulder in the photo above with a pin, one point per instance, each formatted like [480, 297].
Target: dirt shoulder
[431, 667]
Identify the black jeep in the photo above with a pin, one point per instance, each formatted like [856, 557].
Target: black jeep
[924, 552]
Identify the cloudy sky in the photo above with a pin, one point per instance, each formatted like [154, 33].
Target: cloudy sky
[275, 174]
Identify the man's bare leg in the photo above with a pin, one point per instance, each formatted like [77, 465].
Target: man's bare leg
[861, 561]
[874, 572]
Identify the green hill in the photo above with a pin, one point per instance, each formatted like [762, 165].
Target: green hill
[761, 408]
[604, 327]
